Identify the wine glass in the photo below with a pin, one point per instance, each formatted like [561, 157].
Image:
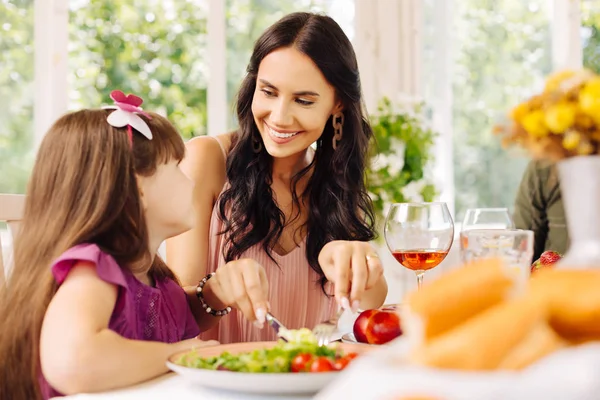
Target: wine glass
[419, 235]
[483, 219]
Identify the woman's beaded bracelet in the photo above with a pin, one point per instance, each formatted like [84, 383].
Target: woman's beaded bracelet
[207, 308]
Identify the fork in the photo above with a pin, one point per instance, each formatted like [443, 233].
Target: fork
[325, 329]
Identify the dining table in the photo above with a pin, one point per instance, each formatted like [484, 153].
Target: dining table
[384, 374]
[173, 386]
[380, 375]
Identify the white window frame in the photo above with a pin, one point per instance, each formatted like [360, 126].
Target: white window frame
[567, 47]
[217, 109]
[51, 40]
[442, 102]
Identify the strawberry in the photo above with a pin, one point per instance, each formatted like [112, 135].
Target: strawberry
[535, 266]
[546, 260]
[550, 257]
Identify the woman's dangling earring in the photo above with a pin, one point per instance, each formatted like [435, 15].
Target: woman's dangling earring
[338, 124]
[256, 144]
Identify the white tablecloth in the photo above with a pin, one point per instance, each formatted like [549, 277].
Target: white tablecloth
[570, 374]
[173, 387]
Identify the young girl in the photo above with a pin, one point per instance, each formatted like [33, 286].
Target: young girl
[88, 306]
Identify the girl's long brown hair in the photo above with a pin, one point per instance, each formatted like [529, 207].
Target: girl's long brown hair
[82, 190]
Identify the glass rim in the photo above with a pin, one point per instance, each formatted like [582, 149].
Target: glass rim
[510, 232]
[487, 209]
[423, 203]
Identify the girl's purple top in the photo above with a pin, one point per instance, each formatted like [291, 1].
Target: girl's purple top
[141, 312]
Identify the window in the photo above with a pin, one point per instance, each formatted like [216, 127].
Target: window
[16, 102]
[16, 94]
[155, 48]
[501, 54]
[247, 19]
[590, 29]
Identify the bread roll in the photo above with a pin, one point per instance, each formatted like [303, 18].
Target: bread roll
[485, 341]
[541, 341]
[573, 298]
[457, 296]
[418, 398]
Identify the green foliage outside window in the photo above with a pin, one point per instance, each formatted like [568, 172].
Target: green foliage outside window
[400, 155]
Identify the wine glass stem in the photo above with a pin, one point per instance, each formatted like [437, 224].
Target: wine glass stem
[420, 274]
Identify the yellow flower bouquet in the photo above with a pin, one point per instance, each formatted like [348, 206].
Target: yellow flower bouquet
[562, 121]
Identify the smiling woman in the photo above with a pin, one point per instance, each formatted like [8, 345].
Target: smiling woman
[282, 225]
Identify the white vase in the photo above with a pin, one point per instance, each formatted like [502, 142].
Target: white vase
[580, 190]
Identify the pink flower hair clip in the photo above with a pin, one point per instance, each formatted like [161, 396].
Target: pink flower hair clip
[127, 108]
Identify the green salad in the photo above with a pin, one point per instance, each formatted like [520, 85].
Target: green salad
[280, 358]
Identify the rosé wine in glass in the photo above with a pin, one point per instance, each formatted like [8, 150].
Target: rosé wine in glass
[419, 235]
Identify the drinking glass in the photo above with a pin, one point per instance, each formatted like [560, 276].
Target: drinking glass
[483, 218]
[513, 246]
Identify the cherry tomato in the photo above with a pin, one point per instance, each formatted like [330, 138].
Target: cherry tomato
[341, 363]
[301, 363]
[321, 364]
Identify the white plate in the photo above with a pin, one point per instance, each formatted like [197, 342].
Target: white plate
[351, 339]
[265, 383]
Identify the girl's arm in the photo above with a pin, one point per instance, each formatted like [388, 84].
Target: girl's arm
[79, 353]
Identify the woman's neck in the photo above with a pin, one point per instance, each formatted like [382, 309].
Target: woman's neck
[284, 169]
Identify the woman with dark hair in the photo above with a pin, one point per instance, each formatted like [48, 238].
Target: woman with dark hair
[284, 226]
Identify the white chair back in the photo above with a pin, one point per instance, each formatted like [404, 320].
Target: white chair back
[11, 212]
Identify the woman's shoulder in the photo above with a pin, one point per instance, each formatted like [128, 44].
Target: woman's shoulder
[542, 165]
[227, 140]
[545, 170]
[216, 147]
[205, 160]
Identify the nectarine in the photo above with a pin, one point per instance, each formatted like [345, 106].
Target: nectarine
[377, 326]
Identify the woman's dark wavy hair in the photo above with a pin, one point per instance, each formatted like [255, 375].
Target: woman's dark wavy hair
[339, 206]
